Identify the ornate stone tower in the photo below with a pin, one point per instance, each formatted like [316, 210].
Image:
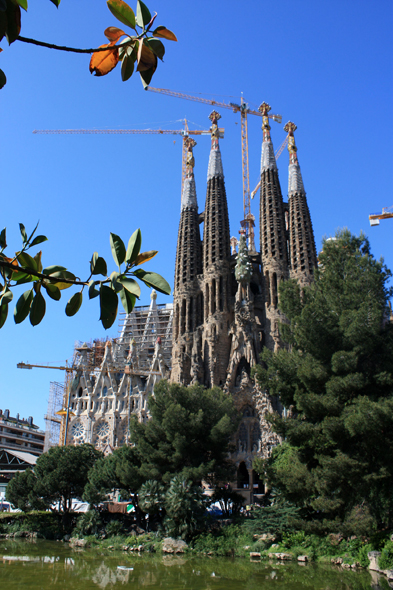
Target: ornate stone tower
[187, 297]
[302, 252]
[273, 232]
[216, 283]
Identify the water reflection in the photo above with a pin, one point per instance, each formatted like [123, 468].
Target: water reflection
[57, 566]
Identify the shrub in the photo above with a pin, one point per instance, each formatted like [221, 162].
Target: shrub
[88, 523]
[114, 528]
[385, 560]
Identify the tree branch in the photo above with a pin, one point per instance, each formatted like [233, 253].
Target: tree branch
[73, 49]
[39, 275]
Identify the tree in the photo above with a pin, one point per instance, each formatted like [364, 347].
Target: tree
[188, 434]
[23, 268]
[142, 48]
[62, 473]
[336, 375]
[21, 491]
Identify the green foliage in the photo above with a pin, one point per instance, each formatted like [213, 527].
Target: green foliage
[230, 502]
[385, 560]
[152, 497]
[337, 376]
[114, 528]
[88, 523]
[185, 506]
[276, 519]
[62, 473]
[23, 268]
[229, 540]
[46, 524]
[21, 491]
[188, 434]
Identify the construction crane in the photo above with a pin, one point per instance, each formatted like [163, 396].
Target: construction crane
[244, 110]
[183, 132]
[387, 213]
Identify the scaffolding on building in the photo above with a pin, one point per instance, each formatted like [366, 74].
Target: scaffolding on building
[53, 421]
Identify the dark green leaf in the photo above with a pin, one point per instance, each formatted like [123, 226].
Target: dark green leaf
[38, 240]
[127, 67]
[118, 249]
[37, 259]
[152, 279]
[22, 307]
[164, 33]
[37, 309]
[98, 265]
[54, 268]
[26, 260]
[131, 285]
[21, 277]
[143, 16]
[56, 2]
[6, 297]
[128, 300]
[146, 77]
[13, 22]
[53, 292]
[93, 292]
[62, 274]
[122, 12]
[3, 79]
[33, 232]
[23, 233]
[134, 246]
[116, 286]
[3, 241]
[74, 304]
[3, 314]
[108, 305]
[157, 47]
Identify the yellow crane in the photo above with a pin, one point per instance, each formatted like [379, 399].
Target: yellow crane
[186, 132]
[387, 213]
[244, 110]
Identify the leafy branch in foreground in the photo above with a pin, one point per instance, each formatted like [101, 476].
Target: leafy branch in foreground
[143, 48]
[24, 268]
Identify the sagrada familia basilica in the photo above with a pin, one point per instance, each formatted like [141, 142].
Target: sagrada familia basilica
[224, 311]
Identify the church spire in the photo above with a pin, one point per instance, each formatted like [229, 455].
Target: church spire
[215, 163]
[268, 160]
[188, 197]
[302, 252]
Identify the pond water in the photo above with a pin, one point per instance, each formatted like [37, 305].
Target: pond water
[44, 565]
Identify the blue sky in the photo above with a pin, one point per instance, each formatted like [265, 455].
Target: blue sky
[325, 65]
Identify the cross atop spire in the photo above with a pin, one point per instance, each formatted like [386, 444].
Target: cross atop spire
[268, 160]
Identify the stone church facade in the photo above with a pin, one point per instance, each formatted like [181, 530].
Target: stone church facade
[226, 302]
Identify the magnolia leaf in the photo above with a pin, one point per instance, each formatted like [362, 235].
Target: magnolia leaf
[38, 240]
[147, 76]
[93, 292]
[22, 4]
[3, 240]
[56, 2]
[33, 232]
[6, 297]
[23, 233]
[145, 257]
[37, 309]
[108, 305]
[98, 265]
[131, 285]
[26, 260]
[13, 22]
[152, 279]
[103, 62]
[116, 286]
[127, 300]
[164, 33]
[3, 79]
[37, 259]
[118, 249]
[113, 33]
[62, 274]
[127, 67]
[73, 305]
[146, 58]
[143, 16]
[21, 277]
[54, 268]
[53, 291]
[22, 307]
[3, 314]
[122, 12]
[157, 47]
[134, 246]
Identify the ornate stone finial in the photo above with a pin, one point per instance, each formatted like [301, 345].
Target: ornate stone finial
[264, 108]
[214, 117]
[234, 242]
[190, 163]
[215, 164]
[153, 295]
[295, 181]
[243, 268]
[290, 128]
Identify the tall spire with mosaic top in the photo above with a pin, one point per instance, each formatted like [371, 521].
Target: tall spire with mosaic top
[188, 312]
[302, 252]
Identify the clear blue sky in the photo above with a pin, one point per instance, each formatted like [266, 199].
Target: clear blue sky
[326, 65]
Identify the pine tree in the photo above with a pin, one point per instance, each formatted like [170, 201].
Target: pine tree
[336, 375]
